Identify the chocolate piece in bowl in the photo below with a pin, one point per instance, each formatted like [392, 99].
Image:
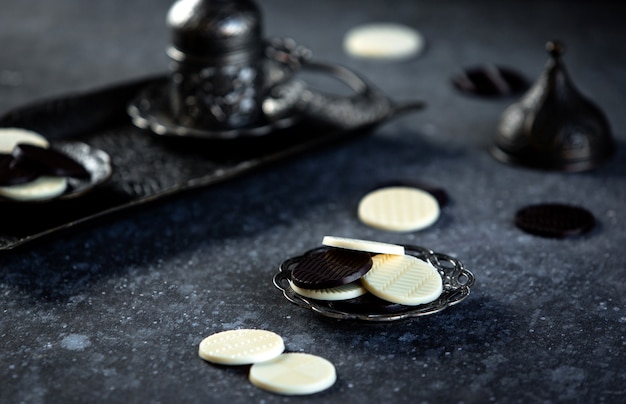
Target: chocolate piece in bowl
[403, 279]
[330, 268]
[10, 137]
[49, 161]
[14, 174]
[42, 188]
[343, 292]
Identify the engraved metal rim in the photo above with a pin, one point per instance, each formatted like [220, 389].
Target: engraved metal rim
[97, 162]
[150, 111]
[457, 281]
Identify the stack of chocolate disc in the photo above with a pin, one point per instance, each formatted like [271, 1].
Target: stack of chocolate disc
[371, 271]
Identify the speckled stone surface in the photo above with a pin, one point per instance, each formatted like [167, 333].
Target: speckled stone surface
[114, 311]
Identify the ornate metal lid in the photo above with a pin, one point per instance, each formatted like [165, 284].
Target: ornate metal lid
[553, 126]
[215, 32]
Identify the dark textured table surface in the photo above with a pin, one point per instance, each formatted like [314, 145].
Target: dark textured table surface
[114, 310]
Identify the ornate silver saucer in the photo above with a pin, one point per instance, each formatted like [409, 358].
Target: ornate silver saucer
[457, 281]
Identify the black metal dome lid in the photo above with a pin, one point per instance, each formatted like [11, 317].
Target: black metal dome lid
[215, 32]
[553, 126]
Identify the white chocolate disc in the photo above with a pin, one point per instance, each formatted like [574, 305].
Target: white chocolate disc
[343, 292]
[400, 209]
[363, 245]
[403, 279]
[383, 41]
[294, 374]
[10, 137]
[42, 188]
[241, 347]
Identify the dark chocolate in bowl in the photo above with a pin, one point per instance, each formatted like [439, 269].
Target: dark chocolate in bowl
[49, 161]
[96, 162]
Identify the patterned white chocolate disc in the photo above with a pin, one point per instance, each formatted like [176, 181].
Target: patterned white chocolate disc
[363, 245]
[41, 188]
[10, 137]
[241, 347]
[399, 209]
[403, 279]
[383, 41]
[343, 292]
[294, 374]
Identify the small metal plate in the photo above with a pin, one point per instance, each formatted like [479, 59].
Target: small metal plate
[457, 281]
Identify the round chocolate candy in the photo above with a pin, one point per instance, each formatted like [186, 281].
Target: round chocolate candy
[293, 373]
[49, 161]
[10, 137]
[330, 268]
[383, 41]
[438, 192]
[554, 220]
[490, 81]
[353, 244]
[403, 279]
[398, 209]
[241, 347]
[343, 292]
[40, 189]
[14, 174]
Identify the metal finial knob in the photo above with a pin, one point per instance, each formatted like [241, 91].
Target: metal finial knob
[553, 126]
[556, 49]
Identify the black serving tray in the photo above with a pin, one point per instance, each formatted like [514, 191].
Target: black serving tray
[147, 166]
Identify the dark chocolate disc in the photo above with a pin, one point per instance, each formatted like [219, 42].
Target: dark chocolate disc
[490, 81]
[330, 268]
[49, 161]
[12, 173]
[554, 220]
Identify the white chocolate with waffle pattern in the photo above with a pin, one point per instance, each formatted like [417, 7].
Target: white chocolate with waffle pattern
[241, 347]
[403, 279]
[399, 209]
[294, 374]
